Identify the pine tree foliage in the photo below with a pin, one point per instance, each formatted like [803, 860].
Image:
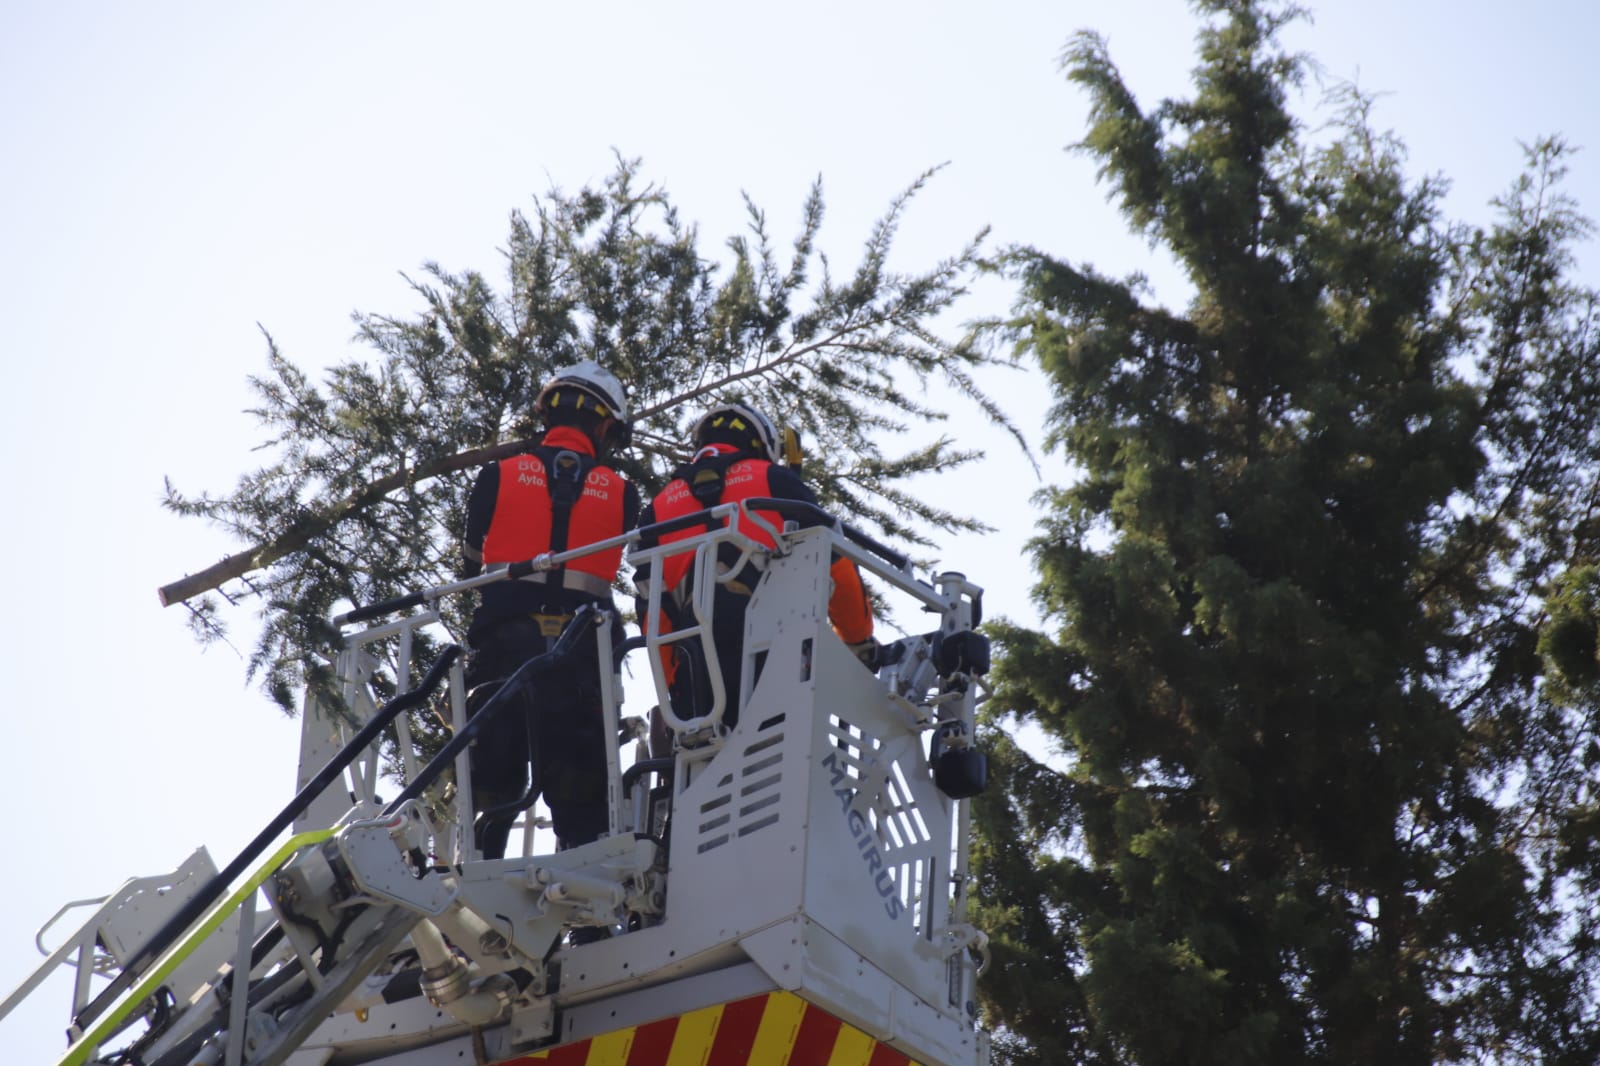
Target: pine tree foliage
[362, 496]
[1322, 684]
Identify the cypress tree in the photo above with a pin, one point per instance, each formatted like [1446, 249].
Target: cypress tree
[1313, 802]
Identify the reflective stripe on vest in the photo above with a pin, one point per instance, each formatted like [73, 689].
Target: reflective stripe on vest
[743, 480]
[520, 528]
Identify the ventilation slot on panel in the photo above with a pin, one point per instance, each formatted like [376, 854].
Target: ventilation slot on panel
[896, 826]
[750, 798]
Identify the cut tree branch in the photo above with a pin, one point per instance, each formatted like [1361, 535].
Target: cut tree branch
[304, 532]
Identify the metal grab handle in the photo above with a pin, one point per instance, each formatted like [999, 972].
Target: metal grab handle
[522, 568]
[705, 573]
[547, 561]
[819, 517]
[38, 938]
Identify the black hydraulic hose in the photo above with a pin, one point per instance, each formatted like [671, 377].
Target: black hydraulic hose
[264, 944]
[565, 646]
[530, 792]
[214, 889]
[619, 652]
[642, 767]
[183, 1053]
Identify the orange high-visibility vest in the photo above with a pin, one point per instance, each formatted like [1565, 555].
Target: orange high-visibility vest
[742, 480]
[524, 513]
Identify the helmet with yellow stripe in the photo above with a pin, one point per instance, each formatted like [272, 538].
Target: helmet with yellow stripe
[586, 395]
[742, 426]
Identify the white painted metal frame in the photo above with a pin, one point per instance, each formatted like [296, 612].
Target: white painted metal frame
[117, 928]
[811, 839]
[813, 826]
[809, 847]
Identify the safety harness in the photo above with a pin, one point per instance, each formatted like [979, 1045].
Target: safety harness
[566, 473]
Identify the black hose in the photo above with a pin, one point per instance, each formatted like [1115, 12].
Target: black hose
[184, 1052]
[620, 652]
[530, 792]
[642, 767]
[565, 647]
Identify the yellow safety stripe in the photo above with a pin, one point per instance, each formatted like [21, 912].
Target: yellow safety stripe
[775, 1029]
[693, 1036]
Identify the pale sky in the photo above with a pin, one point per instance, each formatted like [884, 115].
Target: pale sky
[174, 174]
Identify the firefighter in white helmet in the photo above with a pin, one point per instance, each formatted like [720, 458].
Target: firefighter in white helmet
[556, 496]
[740, 454]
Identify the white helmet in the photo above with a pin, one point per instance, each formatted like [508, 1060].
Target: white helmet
[741, 424]
[588, 386]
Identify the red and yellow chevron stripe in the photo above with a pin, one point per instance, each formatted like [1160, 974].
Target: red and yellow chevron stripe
[775, 1029]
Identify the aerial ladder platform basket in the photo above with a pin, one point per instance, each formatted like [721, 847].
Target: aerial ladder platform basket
[792, 889]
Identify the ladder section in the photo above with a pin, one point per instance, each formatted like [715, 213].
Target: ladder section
[156, 979]
[121, 923]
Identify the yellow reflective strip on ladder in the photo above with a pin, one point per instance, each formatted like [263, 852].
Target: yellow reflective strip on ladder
[79, 1052]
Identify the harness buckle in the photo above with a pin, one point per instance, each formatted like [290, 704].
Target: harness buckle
[550, 625]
